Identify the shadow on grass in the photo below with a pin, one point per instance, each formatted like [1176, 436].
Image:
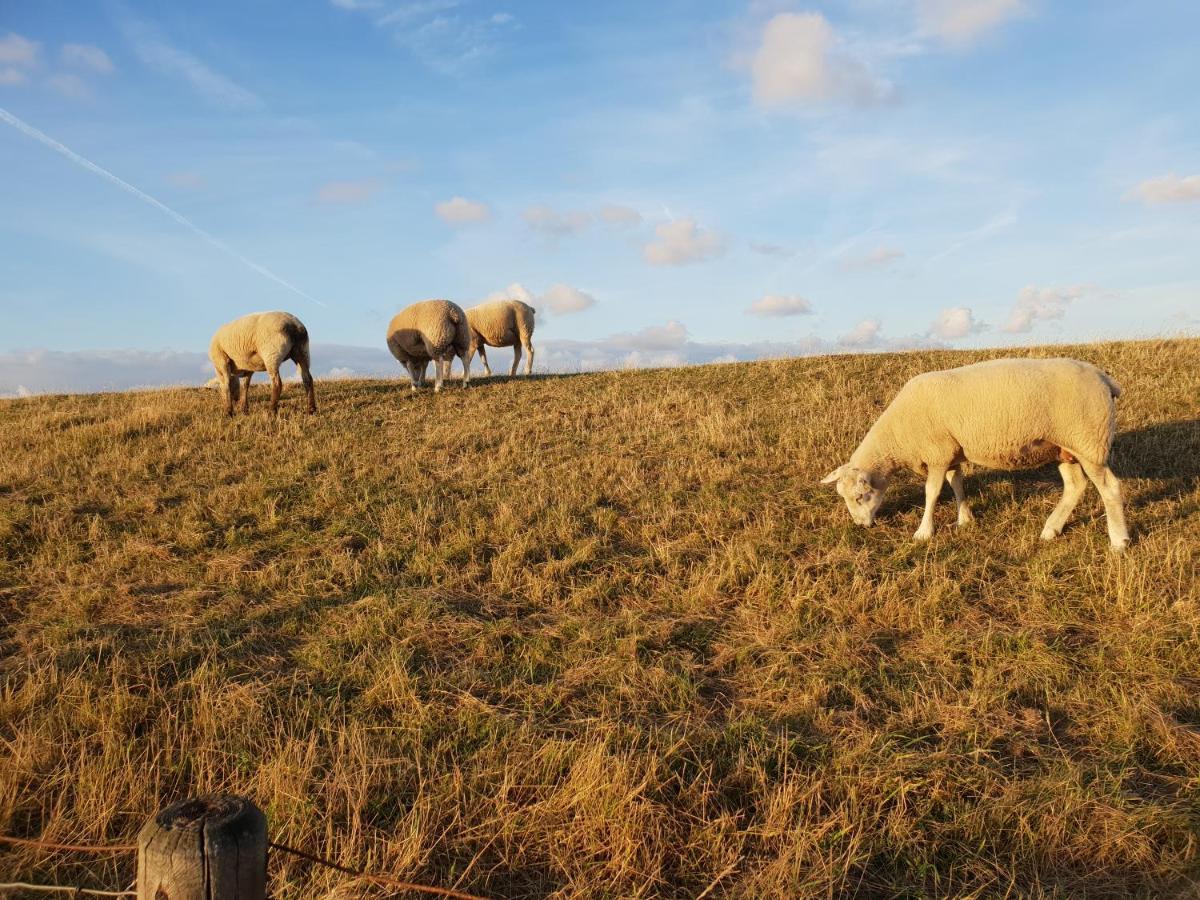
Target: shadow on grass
[1167, 454]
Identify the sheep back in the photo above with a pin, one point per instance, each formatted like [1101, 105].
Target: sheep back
[429, 329]
[259, 342]
[501, 323]
[1002, 414]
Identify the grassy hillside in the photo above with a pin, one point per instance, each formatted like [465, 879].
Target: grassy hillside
[601, 636]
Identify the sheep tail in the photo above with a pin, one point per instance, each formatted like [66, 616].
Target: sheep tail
[1112, 385]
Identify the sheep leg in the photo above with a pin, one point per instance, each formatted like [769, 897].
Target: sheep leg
[229, 387]
[437, 375]
[487, 370]
[465, 359]
[276, 390]
[933, 487]
[955, 479]
[1074, 484]
[528, 358]
[516, 360]
[301, 359]
[246, 392]
[306, 377]
[1110, 492]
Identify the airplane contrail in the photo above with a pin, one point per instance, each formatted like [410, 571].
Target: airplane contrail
[29, 131]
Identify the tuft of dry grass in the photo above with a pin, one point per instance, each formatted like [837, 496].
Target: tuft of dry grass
[601, 636]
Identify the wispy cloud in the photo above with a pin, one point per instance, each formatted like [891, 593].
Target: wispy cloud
[16, 50]
[768, 249]
[18, 57]
[443, 34]
[873, 260]
[86, 56]
[992, 226]
[44, 139]
[553, 223]
[348, 193]
[157, 53]
[961, 22]
[1167, 189]
[680, 242]
[1036, 304]
[775, 305]
[461, 211]
[800, 60]
[620, 215]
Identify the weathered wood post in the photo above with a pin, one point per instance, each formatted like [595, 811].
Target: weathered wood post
[205, 848]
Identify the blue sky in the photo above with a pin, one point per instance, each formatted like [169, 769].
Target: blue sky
[668, 182]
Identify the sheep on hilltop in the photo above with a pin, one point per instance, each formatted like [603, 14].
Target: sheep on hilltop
[502, 323]
[430, 330]
[259, 342]
[1003, 414]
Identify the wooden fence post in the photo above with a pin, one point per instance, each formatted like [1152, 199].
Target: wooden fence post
[205, 848]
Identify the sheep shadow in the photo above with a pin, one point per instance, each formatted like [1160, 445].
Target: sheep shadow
[1167, 454]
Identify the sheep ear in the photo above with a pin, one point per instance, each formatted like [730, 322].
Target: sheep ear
[833, 476]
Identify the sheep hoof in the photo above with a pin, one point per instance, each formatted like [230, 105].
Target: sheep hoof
[1120, 544]
[1049, 534]
[965, 519]
[923, 535]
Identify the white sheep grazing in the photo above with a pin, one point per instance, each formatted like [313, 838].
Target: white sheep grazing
[430, 330]
[1004, 414]
[260, 342]
[502, 323]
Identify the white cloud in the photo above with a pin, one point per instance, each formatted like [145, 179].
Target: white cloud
[864, 334]
[955, 322]
[188, 181]
[879, 258]
[214, 87]
[460, 211]
[780, 305]
[1036, 304]
[18, 51]
[800, 61]
[620, 215]
[1167, 189]
[681, 242]
[70, 85]
[563, 299]
[555, 224]
[10, 77]
[347, 193]
[515, 291]
[86, 56]
[960, 22]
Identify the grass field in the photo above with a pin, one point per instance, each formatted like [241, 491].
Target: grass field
[602, 636]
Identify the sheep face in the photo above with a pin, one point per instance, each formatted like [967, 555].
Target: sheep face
[862, 492]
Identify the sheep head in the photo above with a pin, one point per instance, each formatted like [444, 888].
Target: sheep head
[862, 491]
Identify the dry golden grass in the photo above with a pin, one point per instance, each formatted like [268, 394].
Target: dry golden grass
[601, 636]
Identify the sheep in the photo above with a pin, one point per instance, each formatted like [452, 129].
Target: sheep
[1003, 414]
[502, 323]
[430, 330]
[260, 342]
